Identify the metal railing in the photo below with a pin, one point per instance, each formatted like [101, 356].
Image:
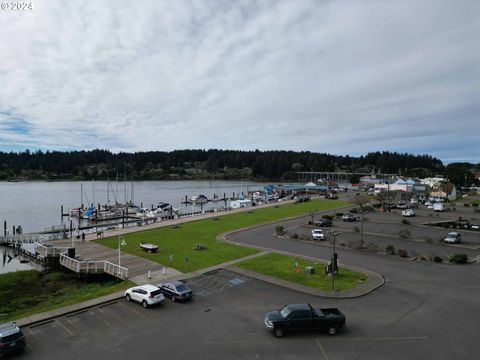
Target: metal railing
[115, 270]
[49, 251]
[70, 263]
[23, 239]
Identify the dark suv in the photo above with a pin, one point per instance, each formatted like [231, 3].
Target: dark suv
[323, 222]
[11, 338]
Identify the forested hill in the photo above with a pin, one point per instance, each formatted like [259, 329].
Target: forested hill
[202, 164]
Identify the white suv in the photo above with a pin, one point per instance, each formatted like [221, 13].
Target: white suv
[146, 295]
[317, 234]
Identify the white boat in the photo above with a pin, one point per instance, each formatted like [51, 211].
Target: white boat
[199, 198]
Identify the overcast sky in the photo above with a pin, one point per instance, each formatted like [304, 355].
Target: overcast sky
[342, 77]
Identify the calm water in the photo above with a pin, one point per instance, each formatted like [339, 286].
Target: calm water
[36, 205]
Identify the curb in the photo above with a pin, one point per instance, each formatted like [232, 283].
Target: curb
[45, 317]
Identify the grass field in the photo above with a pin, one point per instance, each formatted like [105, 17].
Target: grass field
[179, 242]
[283, 267]
[24, 293]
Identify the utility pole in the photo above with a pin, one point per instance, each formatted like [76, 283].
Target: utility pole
[334, 259]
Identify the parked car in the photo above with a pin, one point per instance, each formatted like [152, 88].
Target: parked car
[408, 212]
[452, 237]
[11, 338]
[438, 206]
[349, 217]
[401, 205]
[323, 222]
[146, 295]
[176, 290]
[303, 317]
[317, 234]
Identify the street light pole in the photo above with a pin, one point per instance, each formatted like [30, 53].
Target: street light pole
[121, 242]
[334, 262]
[361, 231]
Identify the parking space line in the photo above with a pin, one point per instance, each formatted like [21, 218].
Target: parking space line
[386, 338]
[322, 350]
[36, 338]
[63, 326]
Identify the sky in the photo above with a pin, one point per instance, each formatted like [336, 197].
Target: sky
[338, 77]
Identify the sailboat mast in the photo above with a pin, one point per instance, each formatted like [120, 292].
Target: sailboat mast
[108, 191]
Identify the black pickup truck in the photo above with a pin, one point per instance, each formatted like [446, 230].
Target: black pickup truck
[303, 317]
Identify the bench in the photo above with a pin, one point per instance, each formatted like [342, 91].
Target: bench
[199, 247]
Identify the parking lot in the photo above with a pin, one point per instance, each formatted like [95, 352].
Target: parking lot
[383, 229]
[407, 318]
[424, 310]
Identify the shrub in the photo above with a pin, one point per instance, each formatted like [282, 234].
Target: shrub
[405, 222]
[328, 217]
[279, 230]
[466, 204]
[390, 250]
[356, 229]
[310, 222]
[372, 247]
[402, 253]
[458, 258]
[354, 211]
[436, 259]
[377, 205]
[339, 215]
[295, 236]
[404, 234]
[368, 208]
[475, 204]
[476, 211]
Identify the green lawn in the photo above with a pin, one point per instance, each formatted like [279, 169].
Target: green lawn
[179, 242]
[25, 293]
[283, 267]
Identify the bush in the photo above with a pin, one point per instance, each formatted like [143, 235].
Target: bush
[377, 205]
[372, 247]
[328, 217]
[466, 204]
[475, 204]
[339, 215]
[402, 253]
[436, 259]
[295, 236]
[279, 230]
[354, 211]
[405, 222]
[476, 211]
[390, 250]
[310, 222]
[458, 258]
[404, 234]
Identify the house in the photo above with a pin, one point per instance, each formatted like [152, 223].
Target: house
[446, 190]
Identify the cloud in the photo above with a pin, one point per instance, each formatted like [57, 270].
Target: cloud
[343, 77]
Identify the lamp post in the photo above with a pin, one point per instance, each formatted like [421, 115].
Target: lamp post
[121, 242]
[334, 258]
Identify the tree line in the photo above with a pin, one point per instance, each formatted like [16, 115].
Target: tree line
[204, 164]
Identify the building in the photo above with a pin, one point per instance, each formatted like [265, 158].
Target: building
[240, 203]
[445, 190]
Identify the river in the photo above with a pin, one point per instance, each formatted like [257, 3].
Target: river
[35, 205]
